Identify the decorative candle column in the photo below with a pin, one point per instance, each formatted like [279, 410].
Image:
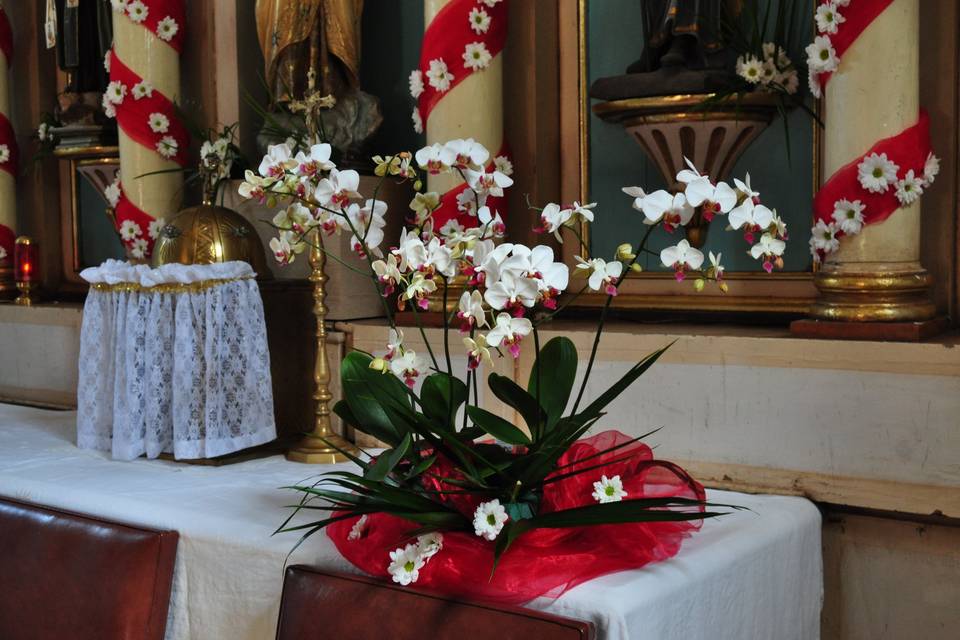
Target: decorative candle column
[875, 274]
[8, 163]
[145, 81]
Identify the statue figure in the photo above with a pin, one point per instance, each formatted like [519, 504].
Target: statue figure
[82, 33]
[319, 39]
[683, 51]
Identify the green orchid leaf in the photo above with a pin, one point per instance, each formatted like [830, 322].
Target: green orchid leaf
[388, 460]
[364, 391]
[515, 396]
[497, 426]
[621, 385]
[552, 377]
[435, 397]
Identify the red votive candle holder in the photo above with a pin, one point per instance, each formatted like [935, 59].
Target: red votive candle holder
[26, 269]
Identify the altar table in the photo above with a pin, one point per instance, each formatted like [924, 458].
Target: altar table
[752, 574]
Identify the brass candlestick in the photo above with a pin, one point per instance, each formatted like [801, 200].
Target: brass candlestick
[322, 445]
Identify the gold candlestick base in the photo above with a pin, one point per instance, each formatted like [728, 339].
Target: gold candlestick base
[322, 445]
[28, 294]
[873, 295]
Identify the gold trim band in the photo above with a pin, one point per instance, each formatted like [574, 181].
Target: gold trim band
[172, 287]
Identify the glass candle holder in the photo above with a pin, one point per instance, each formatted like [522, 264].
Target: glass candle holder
[26, 271]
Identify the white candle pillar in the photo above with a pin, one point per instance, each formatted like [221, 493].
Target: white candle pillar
[876, 275]
[157, 62]
[471, 109]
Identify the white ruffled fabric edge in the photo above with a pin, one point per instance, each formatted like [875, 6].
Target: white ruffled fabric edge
[118, 271]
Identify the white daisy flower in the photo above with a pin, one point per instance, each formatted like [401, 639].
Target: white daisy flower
[107, 60]
[828, 19]
[417, 120]
[813, 82]
[405, 565]
[155, 228]
[115, 93]
[429, 544]
[848, 215]
[909, 189]
[750, 69]
[138, 249]
[476, 56]
[159, 123]
[416, 83]
[488, 519]
[112, 193]
[503, 165]
[167, 147]
[167, 29]
[130, 230]
[137, 11]
[142, 89]
[439, 76]
[608, 490]
[823, 237]
[930, 169]
[4, 154]
[120, 6]
[821, 56]
[876, 173]
[479, 20]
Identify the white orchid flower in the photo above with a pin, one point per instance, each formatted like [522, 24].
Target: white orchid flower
[467, 154]
[435, 158]
[478, 351]
[637, 194]
[744, 187]
[277, 162]
[553, 217]
[338, 188]
[754, 216]
[470, 311]
[419, 288]
[316, 161]
[411, 251]
[512, 291]
[673, 210]
[681, 257]
[296, 218]
[387, 273]
[509, 331]
[603, 274]
[440, 258]
[770, 249]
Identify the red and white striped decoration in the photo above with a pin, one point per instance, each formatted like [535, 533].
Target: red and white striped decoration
[9, 152]
[144, 83]
[459, 85]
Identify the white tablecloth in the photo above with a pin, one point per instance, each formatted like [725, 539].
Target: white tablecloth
[753, 574]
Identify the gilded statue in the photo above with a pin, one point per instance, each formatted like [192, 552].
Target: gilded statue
[314, 45]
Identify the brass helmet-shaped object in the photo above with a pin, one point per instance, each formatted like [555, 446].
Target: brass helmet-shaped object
[207, 234]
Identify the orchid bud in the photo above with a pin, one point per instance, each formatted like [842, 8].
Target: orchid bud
[418, 185]
[636, 268]
[724, 287]
[699, 284]
[625, 252]
[379, 364]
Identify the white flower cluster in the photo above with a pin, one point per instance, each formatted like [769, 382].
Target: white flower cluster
[406, 562]
[167, 146]
[4, 154]
[137, 11]
[877, 174]
[476, 57]
[821, 56]
[220, 149]
[775, 72]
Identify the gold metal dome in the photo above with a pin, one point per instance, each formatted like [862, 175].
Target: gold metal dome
[207, 234]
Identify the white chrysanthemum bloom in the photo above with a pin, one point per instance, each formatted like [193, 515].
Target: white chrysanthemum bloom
[813, 83]
[168, 147]
[358, 529]
[405, 565]
[130, 230]
[4, 154]
[930, 169]
[876, 173]
[608, 490]
[909, 188]
[769, 72]
[821, 56]
[824, 237]
[138, 249]
[479, 20]
[503, 165]
[155, 228]
[142, 89]
[416, 83]
[167, 29]
[137, 11]
[848, 215]
[120, 6]
[828, 18]
[112, 193]
[439, 76]
[417, 120]
[790, 81]
[115, 93]
[159, 123]
[107, 61]
[476, 56]
[750, 69]
[489, 518]
[109, 109]
[429, 544]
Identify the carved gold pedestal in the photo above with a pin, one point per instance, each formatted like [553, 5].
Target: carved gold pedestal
[876, 294]
[322, 445]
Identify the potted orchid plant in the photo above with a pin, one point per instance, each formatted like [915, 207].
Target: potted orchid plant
[460, 492]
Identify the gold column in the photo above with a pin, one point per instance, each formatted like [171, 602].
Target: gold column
[322, 445]
[876, 275]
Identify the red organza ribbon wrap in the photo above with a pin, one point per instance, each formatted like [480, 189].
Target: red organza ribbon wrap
[542, 562]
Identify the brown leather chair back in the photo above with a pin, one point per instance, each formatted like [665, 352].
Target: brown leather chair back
[64, 575]
[319, 604]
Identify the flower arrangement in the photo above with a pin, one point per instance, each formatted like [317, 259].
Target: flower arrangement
[462, 499]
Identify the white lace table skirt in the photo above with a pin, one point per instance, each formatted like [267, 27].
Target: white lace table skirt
[173, 359]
